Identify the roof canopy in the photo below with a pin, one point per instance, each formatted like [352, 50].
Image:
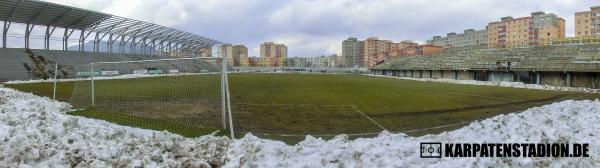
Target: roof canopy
[55, 15]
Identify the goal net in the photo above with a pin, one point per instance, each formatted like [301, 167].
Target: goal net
[184, 95]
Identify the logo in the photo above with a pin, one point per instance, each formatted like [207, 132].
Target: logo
[434, 150]
[431, 150]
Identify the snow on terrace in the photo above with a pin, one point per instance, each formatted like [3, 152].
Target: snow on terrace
[501, 84]
[35, 131]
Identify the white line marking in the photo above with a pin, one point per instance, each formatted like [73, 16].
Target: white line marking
[373, 133]
[355, 134]
[430, 128]
[369, 118]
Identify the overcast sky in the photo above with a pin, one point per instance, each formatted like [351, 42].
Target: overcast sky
[316, 27]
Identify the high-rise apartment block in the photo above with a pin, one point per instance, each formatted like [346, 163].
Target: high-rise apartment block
[375, 50]
[469, 37]
[237, 55]
[419, 50]
[538, 29]
[270, 49]
[587, 23]
[321, 61]
[352, 52]
[275, 54]
[367, 53]
[396, 49]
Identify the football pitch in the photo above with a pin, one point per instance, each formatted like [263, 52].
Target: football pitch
[289, 106]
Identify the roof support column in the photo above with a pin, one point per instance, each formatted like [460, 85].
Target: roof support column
[167, 50]
[194, 53]
[176, 50]
[47, 38]
[180, 51]
[82, 41]
[66, 39]
[113, 41]
[47, 35]
[183, 50]
[28, 29]
[4, 32]
[170, 49]
[161, 48]
[132, 46]
[121, 49]
[66, 36]
[153, 48]
[141, 42]
[84, 37]
[97, 42]
[144, 46]
[109, 48]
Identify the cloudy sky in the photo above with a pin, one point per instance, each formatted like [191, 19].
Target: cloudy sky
[316, 27]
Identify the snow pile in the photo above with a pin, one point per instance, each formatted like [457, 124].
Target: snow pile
[35, 132]
[502, 84]
[564, 122]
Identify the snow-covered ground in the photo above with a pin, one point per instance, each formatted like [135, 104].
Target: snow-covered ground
[501, 84]
[563, 122]
[36, 132]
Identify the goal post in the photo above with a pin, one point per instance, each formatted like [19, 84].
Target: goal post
[176, 94]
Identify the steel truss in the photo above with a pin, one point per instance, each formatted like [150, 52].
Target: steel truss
[143, 37]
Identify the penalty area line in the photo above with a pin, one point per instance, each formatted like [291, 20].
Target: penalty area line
[362, 134]
[442, 126]
[369, 118]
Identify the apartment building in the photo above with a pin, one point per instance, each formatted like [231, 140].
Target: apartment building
[469, 37]
[273, 54]
[371, 51]
[397, 48]
[237, 55]
[538, 29]
[375, 51]
[270, 49]
[352, 52]
[420, 50]
[587, 23]
[321, 61]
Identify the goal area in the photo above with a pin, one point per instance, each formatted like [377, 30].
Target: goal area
[189, 96]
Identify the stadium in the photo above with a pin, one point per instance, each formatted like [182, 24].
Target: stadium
[148, 95]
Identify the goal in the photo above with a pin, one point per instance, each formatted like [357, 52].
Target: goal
[189, 96]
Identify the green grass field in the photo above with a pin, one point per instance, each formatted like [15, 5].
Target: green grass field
[270, 105]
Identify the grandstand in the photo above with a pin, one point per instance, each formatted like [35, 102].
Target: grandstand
[26, 64]
[133, 39]
[570, 64]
